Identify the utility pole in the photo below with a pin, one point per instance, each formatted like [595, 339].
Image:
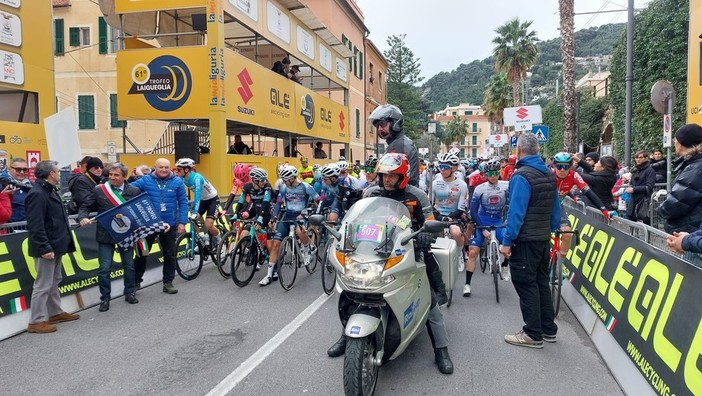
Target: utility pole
[629, 83]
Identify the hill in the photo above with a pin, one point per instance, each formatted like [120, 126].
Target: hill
[466, 83]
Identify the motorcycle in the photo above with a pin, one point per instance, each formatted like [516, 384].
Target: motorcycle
[384, 293]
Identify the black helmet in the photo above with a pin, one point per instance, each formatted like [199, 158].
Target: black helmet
[388, 112]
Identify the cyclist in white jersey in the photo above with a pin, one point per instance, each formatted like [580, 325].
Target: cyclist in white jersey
[486, 206]
[205, 199]
[451, 159]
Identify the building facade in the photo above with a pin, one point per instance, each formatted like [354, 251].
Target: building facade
[475, 141]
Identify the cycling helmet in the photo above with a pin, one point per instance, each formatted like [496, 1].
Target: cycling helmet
[315, 167]
[330, 170]
[394, 163]
[448, 158]
[371, 162]
[512, 159]
[563, 158]
[258, 174]
[241, 171]
[342, 165]
[303, 159]
[482, 166]
[185, 163]
[288, 172]
[464, 163]
[492, 165]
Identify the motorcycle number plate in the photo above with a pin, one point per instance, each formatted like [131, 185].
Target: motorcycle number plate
[370, 232]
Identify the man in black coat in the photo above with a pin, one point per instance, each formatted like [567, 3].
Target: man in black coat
[389, 122]
[80, 186]
[643, 181]
[101, 199]
[601, 177]
[49, 239]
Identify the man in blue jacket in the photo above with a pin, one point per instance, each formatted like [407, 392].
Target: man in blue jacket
[534, 212]
[167, 194]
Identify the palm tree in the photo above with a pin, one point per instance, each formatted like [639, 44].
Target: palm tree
[568, 58]
[454, 130]
[497, 97]
[515, 52]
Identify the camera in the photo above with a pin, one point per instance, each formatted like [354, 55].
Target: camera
[6, 181]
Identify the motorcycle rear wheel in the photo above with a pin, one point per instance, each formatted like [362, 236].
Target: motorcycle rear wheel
[360, 373]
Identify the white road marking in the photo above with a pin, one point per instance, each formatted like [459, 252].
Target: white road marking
[269, 347]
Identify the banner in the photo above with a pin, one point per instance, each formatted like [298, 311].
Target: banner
[80, 268]
[648, 300]
[134, 219]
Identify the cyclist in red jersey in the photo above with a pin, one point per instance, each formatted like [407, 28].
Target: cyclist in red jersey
[508, 170]
[475, 179]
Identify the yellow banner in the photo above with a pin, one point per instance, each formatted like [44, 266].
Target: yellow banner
[170, 83]
[320, 116]
[124, 6]
[694, 77]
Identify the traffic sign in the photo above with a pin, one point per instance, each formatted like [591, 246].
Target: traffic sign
[667, 131]
[522, 117]
[541, 133]
[513, 141]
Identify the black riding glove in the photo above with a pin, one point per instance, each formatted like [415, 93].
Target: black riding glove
[423, 240]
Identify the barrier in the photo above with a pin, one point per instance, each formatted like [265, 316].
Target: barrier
[639, 303]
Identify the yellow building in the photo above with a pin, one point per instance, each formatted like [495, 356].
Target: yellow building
[473, 143]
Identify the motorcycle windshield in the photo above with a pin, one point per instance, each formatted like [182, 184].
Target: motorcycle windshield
[375, 225]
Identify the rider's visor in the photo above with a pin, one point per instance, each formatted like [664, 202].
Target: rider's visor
[562, 166]
[444, 167]
[492, 173]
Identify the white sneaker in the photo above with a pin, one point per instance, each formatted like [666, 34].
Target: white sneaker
[265, 281]
[504, 272]
[466, 291]
[461, 265]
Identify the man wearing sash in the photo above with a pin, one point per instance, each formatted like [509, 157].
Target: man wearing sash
[102, 198]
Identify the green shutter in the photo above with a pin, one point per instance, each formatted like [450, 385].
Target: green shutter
[59, 43]
[474, 140]
[114, 119]
[358, 123]
[74, 36]
[360, 65]
[102, 35]
[86, 112]
[475, 127]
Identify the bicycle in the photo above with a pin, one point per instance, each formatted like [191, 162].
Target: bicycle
[227, 244]
[493, 255]
[289, 259]
[194, 248]
[328, 271]
[248, 254]
[555, 274]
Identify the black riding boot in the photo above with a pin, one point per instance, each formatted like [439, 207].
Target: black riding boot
[339, 347]
[443, 360]
[437, 284]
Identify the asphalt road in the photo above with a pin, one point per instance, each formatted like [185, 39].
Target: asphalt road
[213, 337]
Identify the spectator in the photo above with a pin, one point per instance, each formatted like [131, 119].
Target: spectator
[49, 239]
[591, 158]
[17, 172]
[659, 164]
[621, 194]
[319, 152]
[139, 172]
[643, 180]
[601, 177]
[534, 212]
[82, 165]
[294, 152]
[105, 172]
[80, 186]
[5, 206]
[682, 208]
[239, 147]
[279, 68]
[103, 198]
[167, 194]
[294, 70]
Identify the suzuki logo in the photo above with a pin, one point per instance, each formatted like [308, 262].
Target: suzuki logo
[245, 89]
[522, 113]
[341, 121]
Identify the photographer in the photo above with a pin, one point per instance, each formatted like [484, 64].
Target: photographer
[17, 177]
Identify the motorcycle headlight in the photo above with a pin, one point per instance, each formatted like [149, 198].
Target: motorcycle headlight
[365, 275]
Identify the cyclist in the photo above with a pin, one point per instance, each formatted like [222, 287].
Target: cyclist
[295, 195]
[205, 199]
[370, 177]
[241, 177]
[334, 191]
[566, 179]
[508, 170]
[306, 172]
[344, 173]
[476, 178]
[486, 205]
[255, 201]
[449, 159]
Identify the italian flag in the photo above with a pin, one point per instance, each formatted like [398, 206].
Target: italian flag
[610, 323]
[18, 304]
[572, 277]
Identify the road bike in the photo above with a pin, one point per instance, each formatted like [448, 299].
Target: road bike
[193, 248]
[291, 257]
[326, 244]
[248, 254]
[226, 247]
[493, 257]
[555, 276]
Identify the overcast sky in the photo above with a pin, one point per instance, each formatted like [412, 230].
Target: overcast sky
[445, 33]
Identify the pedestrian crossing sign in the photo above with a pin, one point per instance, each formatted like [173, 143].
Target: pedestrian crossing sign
[541, 133]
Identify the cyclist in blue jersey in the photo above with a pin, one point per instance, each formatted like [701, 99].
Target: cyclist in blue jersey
[295, 195]
[254, 201]
[336, 191]
[205, 199]
[486, 206]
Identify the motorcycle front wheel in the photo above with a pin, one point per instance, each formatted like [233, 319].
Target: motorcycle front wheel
[360, 373]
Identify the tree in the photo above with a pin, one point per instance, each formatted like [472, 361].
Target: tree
[497, 97]
[515, 52]
[402, 77]
[568, 59]
[454, 130]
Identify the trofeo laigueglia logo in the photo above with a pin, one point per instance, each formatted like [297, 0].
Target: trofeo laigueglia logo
[165, 82]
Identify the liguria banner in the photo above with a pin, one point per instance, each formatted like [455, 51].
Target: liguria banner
[649, 301]
[17, 270]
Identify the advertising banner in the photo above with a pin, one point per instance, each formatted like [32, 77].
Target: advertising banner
[647, 299]
[320, 116]
[134, 219]
[80, 268]
[124, 6]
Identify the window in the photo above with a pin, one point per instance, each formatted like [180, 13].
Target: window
[370, 71]
[475, 127]
[102, 35]
[453, 113]
[114, 43]
[474, 140]
[358, 123]
[463, 153]
[473, 153]
[79, 36]
[468, 112]
[463, 141]
[86, 112]
[380, 81]
[59, 40]
[114, 118]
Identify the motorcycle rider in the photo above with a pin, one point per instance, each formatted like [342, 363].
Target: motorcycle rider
[393, 177]
[389, 122]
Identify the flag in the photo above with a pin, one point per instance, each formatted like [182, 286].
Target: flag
[611, 322]
[18, 304]
[132, 220]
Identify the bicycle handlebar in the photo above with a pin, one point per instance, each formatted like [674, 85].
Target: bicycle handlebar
[490, 227]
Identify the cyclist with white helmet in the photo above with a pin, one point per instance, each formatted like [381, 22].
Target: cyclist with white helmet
[205, 199]
[345, 173]
[452, 160]
[255, 200]
[334, 189]
[295, 195]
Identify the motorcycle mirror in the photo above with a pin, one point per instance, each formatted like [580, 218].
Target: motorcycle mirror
[433, 226]
[409, 237]
[316, 220]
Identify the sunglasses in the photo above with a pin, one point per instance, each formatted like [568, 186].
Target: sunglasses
[20, 169]
[444, 167]
[562, 166]
[380, 123]
[370, 170]
[492, 173]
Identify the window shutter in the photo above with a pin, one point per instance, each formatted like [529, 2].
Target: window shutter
[114, 119]
[74, 36]
[360, 64]
[86, 112]
[102, 35]
[59, 43]
[358, 123]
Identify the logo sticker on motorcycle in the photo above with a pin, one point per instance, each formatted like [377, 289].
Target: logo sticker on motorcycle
[355, 330]
[409, 313]
[404, 222]
[369, 232]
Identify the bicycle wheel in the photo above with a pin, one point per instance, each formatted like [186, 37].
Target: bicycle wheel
[483, 258]
[188, 257]
[243, 262]
[495, 268]
[287, 263]
[224, 250]
[315, 255]
[328, 270]
[556, 281]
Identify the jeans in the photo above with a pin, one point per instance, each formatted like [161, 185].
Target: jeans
[46, 300]
[168, 248]
[105, 254]
[529, 267]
